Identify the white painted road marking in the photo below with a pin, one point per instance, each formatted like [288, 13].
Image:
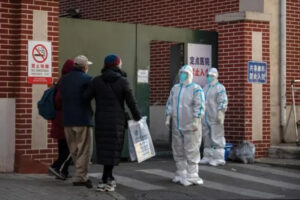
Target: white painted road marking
[217, 186]
[269, 170]
[130, 182]
[246, 177]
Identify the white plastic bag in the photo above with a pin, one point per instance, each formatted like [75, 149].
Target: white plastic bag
[139, 140]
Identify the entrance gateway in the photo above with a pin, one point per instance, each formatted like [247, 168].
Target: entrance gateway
[96, 39]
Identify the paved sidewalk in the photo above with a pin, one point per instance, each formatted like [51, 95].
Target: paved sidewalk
[151, 180]
[289, 163]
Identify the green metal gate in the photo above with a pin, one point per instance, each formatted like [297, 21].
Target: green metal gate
[96, 39]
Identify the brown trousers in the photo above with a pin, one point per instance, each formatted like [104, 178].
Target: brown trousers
[80, 142]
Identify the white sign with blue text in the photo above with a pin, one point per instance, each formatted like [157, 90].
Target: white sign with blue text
[257, 72]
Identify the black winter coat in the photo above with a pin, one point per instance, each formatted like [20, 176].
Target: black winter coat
[111, 90]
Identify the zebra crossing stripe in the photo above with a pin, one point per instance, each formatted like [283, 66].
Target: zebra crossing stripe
[130, 182]
[269, 170]
[218, 186]
[246, 177]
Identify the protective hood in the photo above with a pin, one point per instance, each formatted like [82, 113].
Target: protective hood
[213, 72]
[189, 70]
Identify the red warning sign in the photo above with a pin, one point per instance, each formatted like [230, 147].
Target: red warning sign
[39, 62]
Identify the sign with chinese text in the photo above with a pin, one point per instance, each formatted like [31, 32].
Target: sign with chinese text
[143, 76]
[39, 62]
[257, 72]
[199, 57]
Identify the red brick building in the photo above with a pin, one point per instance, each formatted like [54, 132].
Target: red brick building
[246, 31]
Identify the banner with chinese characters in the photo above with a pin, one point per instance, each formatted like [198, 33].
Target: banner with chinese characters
[257, 72]
[39, 62]
[199, 57]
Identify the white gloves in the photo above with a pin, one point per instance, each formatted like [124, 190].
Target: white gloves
[221, 116]
[168, 119]
[196, 124]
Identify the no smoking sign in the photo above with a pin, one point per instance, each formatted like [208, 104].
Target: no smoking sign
[39, 62]
[39, 53]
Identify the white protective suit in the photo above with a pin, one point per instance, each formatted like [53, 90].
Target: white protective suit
[186, 106]
[213, 123]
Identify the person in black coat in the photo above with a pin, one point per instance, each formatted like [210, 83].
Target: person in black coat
[111, 90]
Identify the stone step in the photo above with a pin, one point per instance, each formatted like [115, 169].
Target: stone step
[285, 151]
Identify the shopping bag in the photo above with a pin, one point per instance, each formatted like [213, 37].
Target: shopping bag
[140, 142]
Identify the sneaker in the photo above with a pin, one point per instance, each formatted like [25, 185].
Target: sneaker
[101, 187]
[112, 182]
[87, 184]
[109, 186]
[55, 172]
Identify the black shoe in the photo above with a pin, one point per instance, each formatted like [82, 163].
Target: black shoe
[63, 177]
[87, 184]
[55, 172]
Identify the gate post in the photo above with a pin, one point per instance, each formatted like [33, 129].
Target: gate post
[244, 36]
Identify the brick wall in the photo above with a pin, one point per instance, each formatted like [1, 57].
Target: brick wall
[292, 46]
[235, 50]
[159, 72]
[16, 24]
[198, 15]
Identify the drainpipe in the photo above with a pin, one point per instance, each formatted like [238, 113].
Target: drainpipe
[283, 67]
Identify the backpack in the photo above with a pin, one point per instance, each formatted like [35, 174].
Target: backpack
[46, 105]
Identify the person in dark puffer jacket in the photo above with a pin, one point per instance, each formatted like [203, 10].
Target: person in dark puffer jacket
[111, 90]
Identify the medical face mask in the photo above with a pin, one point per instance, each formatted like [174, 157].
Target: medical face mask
[210, 79]
[183, 77]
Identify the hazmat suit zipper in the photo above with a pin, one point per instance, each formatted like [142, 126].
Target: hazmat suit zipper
[205, 115]
[178, 101]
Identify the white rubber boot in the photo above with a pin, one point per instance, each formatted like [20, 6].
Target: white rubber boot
[216, 163]
[207, 154]
[178, 176]
[192, 174]
[218, 157]
[204, 161]
[185, 182]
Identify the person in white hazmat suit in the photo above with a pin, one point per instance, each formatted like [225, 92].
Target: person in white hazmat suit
[186, 106]
[213, 122]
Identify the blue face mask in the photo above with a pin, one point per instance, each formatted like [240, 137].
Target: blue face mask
[183, 77]
[210, 79]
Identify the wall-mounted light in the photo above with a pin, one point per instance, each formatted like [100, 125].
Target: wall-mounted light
[73, 13]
